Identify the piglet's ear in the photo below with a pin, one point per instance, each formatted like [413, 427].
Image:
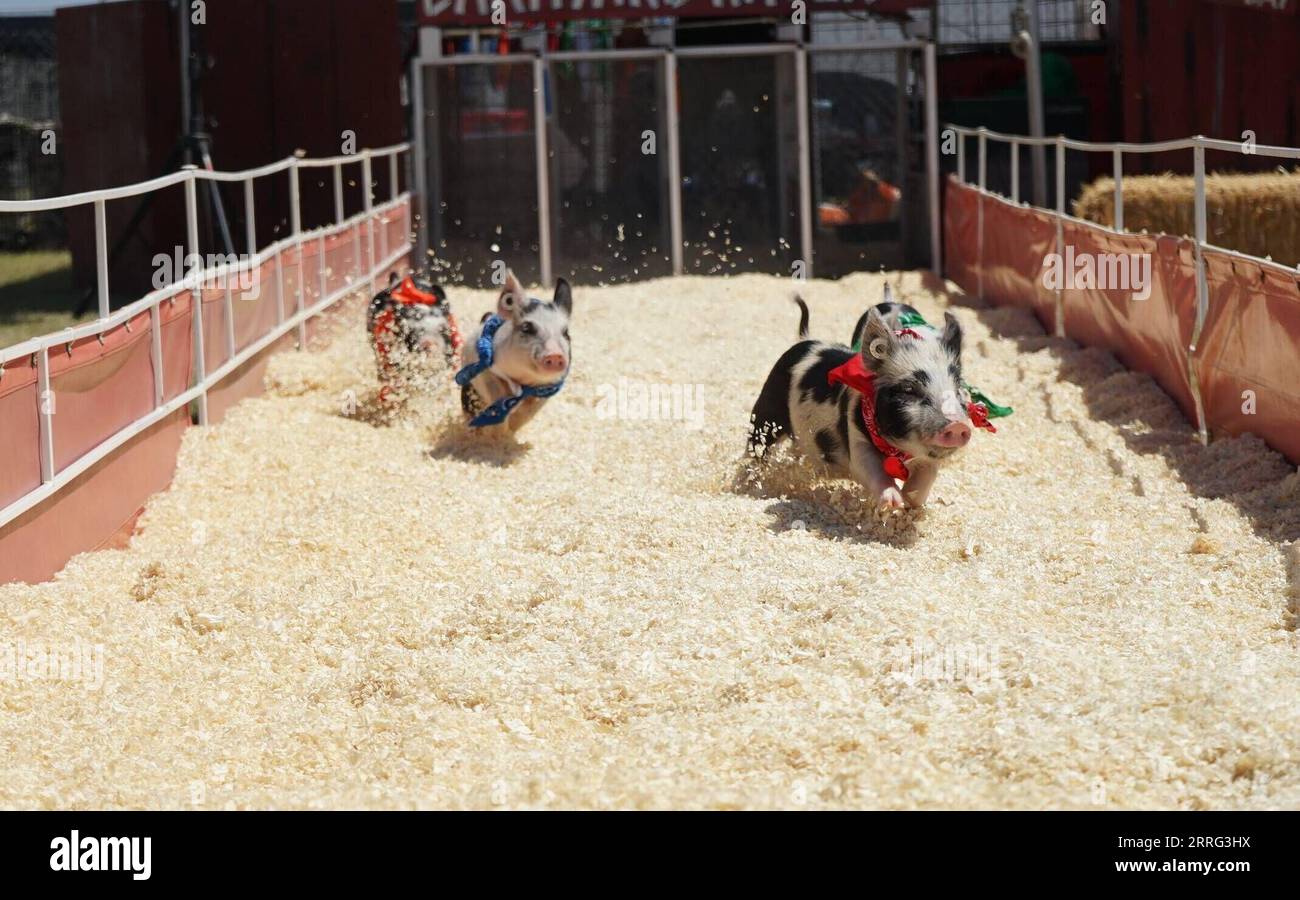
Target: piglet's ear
[563, 296]
[512, 297]
[952, 335]
[878, 340]
[393, 280]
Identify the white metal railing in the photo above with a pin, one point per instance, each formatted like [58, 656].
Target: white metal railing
[667, 58]
[1198, 145]
[54, 479]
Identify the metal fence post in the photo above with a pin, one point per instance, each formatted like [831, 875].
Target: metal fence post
[674, 161]
[250, 219]
[368, 203]
[385, 249]
[230, 317]
[418, 165]
[543, 171]
[45, 399]
[322, 271]
[101, 257]
[1118, 163]
[338, 220]
[408, 225]
[155, 354]
[902, 146]
[356, 250]
[932, 157]
[338, 193]
[1202, 290]
[295, 229]
[979, 211]
[279, 285]
[408, 233]
[1015, 171]
[805, 159]
[1060, 229]
[196, 290]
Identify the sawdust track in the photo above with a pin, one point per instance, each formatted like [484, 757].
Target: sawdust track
[329, 611]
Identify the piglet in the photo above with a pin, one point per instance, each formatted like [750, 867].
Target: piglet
[892, 413]
[410, 324]
[528, 356]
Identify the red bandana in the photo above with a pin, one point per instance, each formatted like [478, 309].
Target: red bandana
[856, 375]
[385, 324]
[408, 293]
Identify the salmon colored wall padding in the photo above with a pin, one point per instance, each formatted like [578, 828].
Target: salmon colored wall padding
[102, 386]
[1248, 359]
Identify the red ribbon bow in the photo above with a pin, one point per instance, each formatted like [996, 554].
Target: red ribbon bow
[856, 375]
[979, 416]
[407, 294]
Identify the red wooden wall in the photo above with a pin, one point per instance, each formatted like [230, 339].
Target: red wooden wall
[1170, 86]
[284, 75]
[120, 113]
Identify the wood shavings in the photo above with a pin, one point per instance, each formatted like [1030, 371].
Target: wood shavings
[331, 608]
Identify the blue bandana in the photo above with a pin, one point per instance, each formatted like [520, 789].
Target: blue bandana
[497, 412]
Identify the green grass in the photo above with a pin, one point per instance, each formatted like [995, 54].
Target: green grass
[37, 295]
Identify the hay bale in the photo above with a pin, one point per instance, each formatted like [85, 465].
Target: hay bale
[1257, 214]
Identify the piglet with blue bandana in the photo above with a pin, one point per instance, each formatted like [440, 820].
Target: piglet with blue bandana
[518, 358]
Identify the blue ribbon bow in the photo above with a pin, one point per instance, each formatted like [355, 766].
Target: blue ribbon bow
[497, 412]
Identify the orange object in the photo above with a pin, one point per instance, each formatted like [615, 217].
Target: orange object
[873, 200]
[832, 215]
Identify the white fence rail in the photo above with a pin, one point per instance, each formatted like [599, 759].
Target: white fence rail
[1197, 145]
[292, 312]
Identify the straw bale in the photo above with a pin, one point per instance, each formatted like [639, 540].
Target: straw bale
[1257, 213]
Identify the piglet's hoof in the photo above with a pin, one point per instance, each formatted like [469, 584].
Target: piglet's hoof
[891, 498]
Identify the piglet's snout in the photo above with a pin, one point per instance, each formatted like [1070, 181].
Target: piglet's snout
[956, 434]
[553, 362]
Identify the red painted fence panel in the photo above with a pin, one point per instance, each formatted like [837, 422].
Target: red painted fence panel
[101, 388]
[1251, 342]
[1248, 360]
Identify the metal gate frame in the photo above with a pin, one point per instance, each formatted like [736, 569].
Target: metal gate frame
[668, 58]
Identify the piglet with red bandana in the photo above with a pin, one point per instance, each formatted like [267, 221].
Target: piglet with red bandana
[412, 331]
[888, 415]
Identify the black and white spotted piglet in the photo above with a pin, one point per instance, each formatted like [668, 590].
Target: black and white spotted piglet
[894, 412]
[411, 325]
